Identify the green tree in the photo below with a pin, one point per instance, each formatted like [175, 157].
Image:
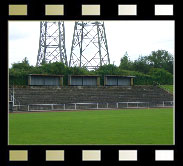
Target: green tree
[161, 59]
[109, 69]
[24, 65]
[25, 61]
[53, 68]
[161, 76]
[141, 65]
[125, 62]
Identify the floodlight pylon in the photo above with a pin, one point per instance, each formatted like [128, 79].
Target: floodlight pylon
[89, 46]
[51, 43]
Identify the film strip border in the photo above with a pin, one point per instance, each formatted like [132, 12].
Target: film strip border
[92, 155]
[51, 155]
[76, 155]
[91, 10]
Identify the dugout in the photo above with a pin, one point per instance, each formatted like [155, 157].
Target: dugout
[117, 80]
[84, 80]
[45, 80]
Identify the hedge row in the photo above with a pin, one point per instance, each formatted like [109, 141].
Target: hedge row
[19, 76]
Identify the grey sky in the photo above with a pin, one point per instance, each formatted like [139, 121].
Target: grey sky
[135, 37]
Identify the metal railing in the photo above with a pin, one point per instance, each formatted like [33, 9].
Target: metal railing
[13, 99]
[97, 106]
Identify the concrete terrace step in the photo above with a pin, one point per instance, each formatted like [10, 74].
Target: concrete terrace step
[32, 97]
[88, 91]
[62, 96]
[45, 95]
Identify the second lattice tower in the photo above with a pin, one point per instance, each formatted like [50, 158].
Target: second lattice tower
[89, 46]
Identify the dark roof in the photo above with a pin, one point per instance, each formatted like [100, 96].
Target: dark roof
[50, 75]
[85, 75]
[119, 76]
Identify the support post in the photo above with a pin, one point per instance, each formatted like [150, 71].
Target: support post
[13, 97]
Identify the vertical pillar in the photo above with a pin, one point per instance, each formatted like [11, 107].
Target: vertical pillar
[98, 81]
[117, 105]
[51, 106]
[105, 80]
[29, 80]
[61, 80]
[69, 80]
[131, 81]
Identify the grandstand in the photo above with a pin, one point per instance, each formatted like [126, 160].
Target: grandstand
[97, 97]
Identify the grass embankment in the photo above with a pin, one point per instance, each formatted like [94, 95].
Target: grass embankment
[168, 88]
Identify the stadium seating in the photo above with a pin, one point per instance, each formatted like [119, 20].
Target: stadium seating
[79, 94]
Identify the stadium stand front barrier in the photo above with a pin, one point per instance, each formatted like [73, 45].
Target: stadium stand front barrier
[95, 106]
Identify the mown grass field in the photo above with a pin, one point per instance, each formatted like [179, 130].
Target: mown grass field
[132, 126]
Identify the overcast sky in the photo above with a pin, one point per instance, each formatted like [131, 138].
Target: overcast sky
[135, 37]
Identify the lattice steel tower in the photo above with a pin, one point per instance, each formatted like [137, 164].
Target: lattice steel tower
[52, 43]
[89, 46]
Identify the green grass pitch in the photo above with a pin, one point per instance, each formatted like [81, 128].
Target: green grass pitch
[131, 126]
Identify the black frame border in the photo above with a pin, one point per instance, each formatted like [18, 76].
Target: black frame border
[146, 153]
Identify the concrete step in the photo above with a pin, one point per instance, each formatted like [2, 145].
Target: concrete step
[31, 95]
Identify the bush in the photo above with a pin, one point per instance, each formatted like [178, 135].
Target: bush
[161, 76]
[18, 74]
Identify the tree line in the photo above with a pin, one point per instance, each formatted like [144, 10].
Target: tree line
[152, 69]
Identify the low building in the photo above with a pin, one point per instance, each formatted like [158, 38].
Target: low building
[45, 80]
[84, 80]
[118, 80]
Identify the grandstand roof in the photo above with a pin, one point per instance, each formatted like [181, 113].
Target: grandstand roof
[45, 75]
[119, 76]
